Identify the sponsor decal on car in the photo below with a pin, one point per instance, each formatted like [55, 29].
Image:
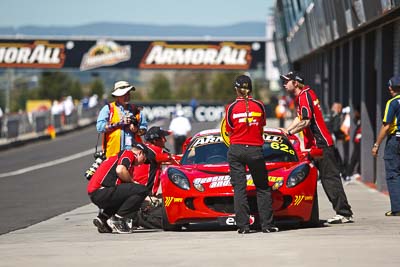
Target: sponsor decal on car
[230, 220]
[169, 200]
[39, 54]
[224, 180]
[299, 198]
[214, 181]
[205, 140]
[278, 182]
[273, 138]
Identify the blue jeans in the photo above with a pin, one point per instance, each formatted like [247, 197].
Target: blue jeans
[392, 168]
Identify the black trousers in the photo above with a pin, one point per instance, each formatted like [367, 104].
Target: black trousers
[240, 156]
[331, 182]
[178, 142]
[123, 199]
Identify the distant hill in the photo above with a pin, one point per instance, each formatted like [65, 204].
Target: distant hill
[245, 29]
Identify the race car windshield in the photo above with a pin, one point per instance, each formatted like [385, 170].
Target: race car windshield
[277, 148]
[211, 150]
[206, 150]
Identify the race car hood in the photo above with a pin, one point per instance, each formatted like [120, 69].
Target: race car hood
[224, 168]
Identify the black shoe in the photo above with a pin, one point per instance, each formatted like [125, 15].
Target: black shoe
[391, 213]
[101, 225]
[119, 225]
[270, 229]
[243, 230]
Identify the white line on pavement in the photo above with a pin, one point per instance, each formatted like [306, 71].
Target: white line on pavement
[47, 164]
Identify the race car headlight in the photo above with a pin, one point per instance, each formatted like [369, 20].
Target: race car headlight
[298, 175]
[199, 187]
[178, 178]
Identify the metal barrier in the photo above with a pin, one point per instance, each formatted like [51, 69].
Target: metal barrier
[12, 127]
[37, 123]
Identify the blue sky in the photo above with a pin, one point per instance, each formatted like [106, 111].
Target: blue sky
[16, 13]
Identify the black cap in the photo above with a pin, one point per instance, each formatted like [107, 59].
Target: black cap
[243, 81]
[394, 81]
[292, 76]
[156, 132]
[142, 147]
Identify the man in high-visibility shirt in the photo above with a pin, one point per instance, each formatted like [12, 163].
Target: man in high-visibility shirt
[120, 122]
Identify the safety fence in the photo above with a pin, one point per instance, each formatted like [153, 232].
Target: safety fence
[44, 122]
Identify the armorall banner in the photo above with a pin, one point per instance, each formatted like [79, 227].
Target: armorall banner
[106, 53]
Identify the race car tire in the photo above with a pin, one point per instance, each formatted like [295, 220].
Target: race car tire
[166, 226]
[151, 219]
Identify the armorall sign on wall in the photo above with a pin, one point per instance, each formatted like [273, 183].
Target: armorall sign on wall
[88, 55]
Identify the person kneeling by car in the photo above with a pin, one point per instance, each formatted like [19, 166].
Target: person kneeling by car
[148, 174]
[112, 189]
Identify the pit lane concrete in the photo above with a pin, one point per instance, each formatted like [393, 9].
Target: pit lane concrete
[71, 239]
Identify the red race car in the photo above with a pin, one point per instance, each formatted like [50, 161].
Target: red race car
[199, 190]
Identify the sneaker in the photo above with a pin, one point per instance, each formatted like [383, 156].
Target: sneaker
[119, 225]
[101, 225]
[338, 219]
[270, 229]
[391, 213]
[348, 178]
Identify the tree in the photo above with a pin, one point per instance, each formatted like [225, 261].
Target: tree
[222, 85]
[97, 87]
[160, 88]
[54, 85]
[76, 90]
[3, 99]
[20, 94]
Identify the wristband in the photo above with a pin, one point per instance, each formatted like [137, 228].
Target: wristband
[376, 145]
[289, 133]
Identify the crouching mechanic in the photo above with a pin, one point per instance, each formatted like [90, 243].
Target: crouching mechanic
[112, 189]
[148, 174]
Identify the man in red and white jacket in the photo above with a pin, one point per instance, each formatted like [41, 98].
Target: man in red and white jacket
[149, 174]
[310, 121]
[113, 190]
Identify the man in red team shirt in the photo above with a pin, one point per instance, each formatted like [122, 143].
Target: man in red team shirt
[148, 174]
[310, 120]
[112, 189]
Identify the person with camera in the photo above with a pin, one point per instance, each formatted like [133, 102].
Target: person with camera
[114, 191]
[120, 122]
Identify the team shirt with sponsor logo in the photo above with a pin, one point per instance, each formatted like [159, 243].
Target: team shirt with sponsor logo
[242, 131]
[149, 174]
[106, 174]
[308, 108]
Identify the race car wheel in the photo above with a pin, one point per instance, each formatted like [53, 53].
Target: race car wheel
[165, 223]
